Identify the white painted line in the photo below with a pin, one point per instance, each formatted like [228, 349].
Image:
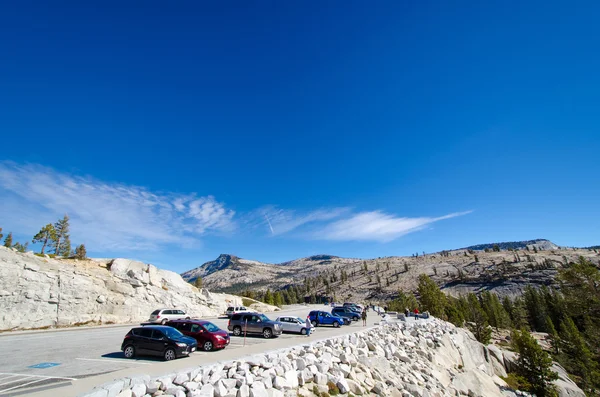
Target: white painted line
[6, 377]
[23, 385]
[124, 361]
[38, 376]
[14, 380]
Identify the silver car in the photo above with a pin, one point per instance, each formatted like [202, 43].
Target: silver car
[294, 324]
[162, 316]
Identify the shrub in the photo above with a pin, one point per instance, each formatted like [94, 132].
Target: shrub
[247, 301]
[333, 389]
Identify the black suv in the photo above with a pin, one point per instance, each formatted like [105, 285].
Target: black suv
[254, 323]
[344, 312]
[157, 340]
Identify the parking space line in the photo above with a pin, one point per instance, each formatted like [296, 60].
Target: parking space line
[14, 380]
[124, 361]
[38, 376]
[23, 385]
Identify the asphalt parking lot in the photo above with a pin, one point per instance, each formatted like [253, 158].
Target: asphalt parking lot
[46, 361]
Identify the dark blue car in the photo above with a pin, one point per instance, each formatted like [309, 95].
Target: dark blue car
[318, 317]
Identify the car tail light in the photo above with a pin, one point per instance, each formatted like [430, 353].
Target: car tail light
[158, 316]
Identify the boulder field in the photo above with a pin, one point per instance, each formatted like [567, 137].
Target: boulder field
[40, 292]
[423, 359]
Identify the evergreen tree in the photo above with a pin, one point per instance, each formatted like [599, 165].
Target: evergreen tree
[497, 316]
[536, 310]
[577, 357]
[8, 241]
[432, 299]
[268, 299]
[495, 248]
[198, 284]
[1, 235]
[478, 322]
[80, 252]
[20, 247]
[61, 228]
[453, 313]
[44, 236]
[552, 334]
[534, 364]
[278, 299]
[402, 302]
[365, 267]
[65, 247]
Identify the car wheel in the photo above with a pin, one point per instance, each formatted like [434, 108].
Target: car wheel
[163, 322]
[336, 324]
[303, 331]
[169, 355]
[129, 351]
[237, 331]
[267, 333]
[207, 346]
[314, 323]
[188, 318]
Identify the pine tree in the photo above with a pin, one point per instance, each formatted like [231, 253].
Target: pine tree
[45, 235]
[478, 320]
[21, 247]
[8, 241]
[80, 252]
[430, 296]
[552, 335]
[268, 299]
[198, 284]
[61, 228]
[577, 356]
[1, 235]
[534, 364]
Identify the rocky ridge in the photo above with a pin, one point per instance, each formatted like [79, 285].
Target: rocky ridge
[458, 271]
[39, 292]
[427, 358]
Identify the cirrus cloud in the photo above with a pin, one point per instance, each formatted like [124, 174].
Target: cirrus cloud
[107, 216]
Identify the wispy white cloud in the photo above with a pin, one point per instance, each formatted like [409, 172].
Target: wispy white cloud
[376, 226]
[281, 221]
[104, 215]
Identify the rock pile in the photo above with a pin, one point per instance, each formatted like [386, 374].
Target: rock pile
[424, 359]
[38, 292]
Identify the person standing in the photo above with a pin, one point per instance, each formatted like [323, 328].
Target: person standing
[308, 326]
[364, 317]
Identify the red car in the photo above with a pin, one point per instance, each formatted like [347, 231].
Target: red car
[209, 336]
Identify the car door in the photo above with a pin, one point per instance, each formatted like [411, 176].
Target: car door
[185, 328]
[255, 324]
[199, 333]
[247, 323]
[286, 324]
[143, 340]
[157, 343]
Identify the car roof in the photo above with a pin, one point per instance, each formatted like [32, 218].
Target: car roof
[193, 320]
[153, 327]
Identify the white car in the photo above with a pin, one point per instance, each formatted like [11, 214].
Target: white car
[161, 316]
[231, 310]
[294, 324]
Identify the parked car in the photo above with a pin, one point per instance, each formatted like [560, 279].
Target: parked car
[157, 340]
[209, 336]
[254, 323]
[236, 309]
[318, 317]
[162, 316]
[345, 312]
[294, 324]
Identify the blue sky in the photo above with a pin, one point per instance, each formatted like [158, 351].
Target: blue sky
[172, 133]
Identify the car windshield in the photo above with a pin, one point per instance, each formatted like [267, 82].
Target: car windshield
[263, 318]
[171, 332]
[210, 327]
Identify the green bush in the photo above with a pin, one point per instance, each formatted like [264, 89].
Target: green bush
[333, 389]
[247, 301]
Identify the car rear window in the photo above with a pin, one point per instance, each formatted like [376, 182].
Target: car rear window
[230, 309]
[154, 313]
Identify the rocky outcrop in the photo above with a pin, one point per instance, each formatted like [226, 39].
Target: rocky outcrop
[506, 273]
[37, 292]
